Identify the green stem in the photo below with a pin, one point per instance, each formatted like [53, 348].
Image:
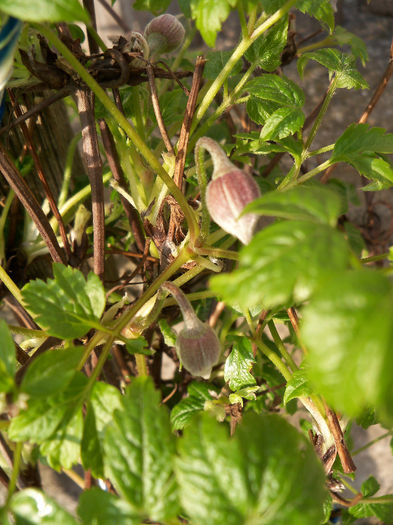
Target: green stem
[100, 363]
[68, 170]
[322, 43]
[237, 55]
[97, 38]
[141, 365]
[370, 443]
[3, 218]
[15, 471]
[329, 95]
[319, 151]
[274, 358]
[306, 176]
[216, 252]
[375, 258]
[280, 345]
[202, 181]
[111, 107]
[9, 283]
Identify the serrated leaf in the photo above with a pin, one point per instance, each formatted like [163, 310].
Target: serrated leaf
[276, 89]
[216, 60]
[361, 138]
[235, 481]
[198, 394]
[259, 110]
[68, 305]
[138, 346]
[154, 6]
[7, 358]
[358, 47]
[314, 202]
[336, 62]
[374, 168]
[282, 123]
[367, 418]
[104, 400]
[383, 511]
[51, 371]
[99, 507]
[322, 10]
[139, 448]
[267, 49]
[348, 330]
[33, 507]
[283, 264]
[370, 487]
[45, 10]
[239, 363]
[247, 393]
[209, 17]
[297, 386]
[55, 423]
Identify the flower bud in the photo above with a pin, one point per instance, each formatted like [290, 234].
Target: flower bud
[197, 344]
[164, 34]
[228, 193]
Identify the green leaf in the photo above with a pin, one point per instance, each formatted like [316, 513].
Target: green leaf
[138, 346]
[167, 332]
[283, 122]
[336, 62]
[283, 264]
[250, 478]
[267, 49]
[209, 17]
[370, 487]
[383, 511]
[45, 10]
[276, 89]
[139, 450]
[154, 6]
[258, 110]
[322, 10]
[308, 202]
[378, 170]
[361, 138]
[358, 47]
[104, 400]
[99, 507]
[198, 394]
[239, 363]
[297, 386]
[348, 330]
[216, 60]
[7, 358]
[68, 305]
[51, 371]
[33, 507]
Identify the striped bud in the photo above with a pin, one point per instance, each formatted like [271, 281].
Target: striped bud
[228, 193]
[197, 344]
[164, 34]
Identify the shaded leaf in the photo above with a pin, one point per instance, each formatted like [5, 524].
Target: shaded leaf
[68, 305]
[322, 10]
[267, 49]
[216, 60]
[99, 507]
[239, 363]
[7, 358]
[234, 481]
[283, 264]
[51, 371]
[358, 47]
[209, 17]
[198, 394]
[361, 138]
[276, 89]
[297, 386]
[139, 450]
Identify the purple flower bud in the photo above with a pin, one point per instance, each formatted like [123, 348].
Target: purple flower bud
[164, 34]
[228, 193]
[197, 344]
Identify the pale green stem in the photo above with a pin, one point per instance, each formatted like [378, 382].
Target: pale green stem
[28, 332]
[319, 151]
[326, 42]
[219, 253]
[307, 176]
[111, 107]
[209, 265]
[202, 181]
[370, 443]
[375, 258]
[274, 358]
[97, 38]
[237, 55]
[68, 170]
[281, 347]
[15, 471]
[242, 18]
[9, 283]
[141, 365]
[329, 95]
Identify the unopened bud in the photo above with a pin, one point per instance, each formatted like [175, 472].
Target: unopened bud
[228, 193]
[197, 344]
[164, 34]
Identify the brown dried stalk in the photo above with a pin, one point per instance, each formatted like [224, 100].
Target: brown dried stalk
[157, 110]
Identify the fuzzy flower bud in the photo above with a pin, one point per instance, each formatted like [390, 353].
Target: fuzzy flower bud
[228, 193]
[197, 344]
[164, 34]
